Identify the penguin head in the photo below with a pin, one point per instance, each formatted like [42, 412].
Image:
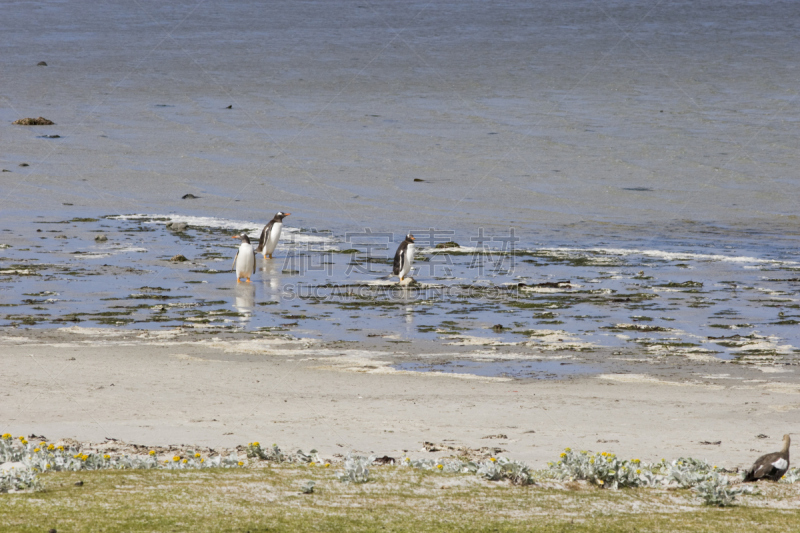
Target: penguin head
[280, 215]
[410, 237]
[243, 237]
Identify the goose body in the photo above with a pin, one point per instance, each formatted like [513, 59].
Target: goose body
[244, 263]
[270, 235]
[404, 257]
[770, 466]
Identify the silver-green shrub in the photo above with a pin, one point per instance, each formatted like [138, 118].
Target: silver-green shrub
[716, 490]
[356, 468]
[603, 469]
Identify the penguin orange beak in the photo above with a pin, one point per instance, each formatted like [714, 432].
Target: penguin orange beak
[286, 214]
[236, 236]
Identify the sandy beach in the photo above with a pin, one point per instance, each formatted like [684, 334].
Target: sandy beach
[167, 389]
[641, 157]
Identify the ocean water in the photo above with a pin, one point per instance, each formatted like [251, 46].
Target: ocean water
[644, 154]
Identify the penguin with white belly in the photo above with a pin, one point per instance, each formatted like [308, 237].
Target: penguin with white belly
[404, 258]
[270, 235]
[244, 264]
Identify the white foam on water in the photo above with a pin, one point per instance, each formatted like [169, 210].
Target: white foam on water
[253, 228]
[675, 256]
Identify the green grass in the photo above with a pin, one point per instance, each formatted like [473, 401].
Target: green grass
[397, 499]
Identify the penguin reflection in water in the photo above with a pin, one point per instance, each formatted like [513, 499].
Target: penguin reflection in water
[268, 240]
[404, 258]
[244, 264]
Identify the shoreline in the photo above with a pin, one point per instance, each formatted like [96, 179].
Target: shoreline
[79, 386]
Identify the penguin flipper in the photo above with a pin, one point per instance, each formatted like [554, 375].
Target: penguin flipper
[398, 262]
[234, 260]
[262, 240]
[254, 262]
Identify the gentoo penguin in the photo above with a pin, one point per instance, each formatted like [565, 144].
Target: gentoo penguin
[270, 235]
[245, 261]
[771, 466]
[404, 257]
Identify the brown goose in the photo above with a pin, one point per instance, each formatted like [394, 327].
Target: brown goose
[771, 466]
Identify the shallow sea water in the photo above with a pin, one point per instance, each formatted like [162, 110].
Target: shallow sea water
[620, 175]
[688, 299]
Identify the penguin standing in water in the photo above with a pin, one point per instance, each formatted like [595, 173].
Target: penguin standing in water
[244, 264]
[270, 235]
[404, 257]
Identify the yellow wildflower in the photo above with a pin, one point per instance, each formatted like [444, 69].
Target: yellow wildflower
[152, 452]
[492, 459]
[106, 457]
[36, 449]
[601, 482]
[197, 454]
[327, 465]
[591, 460]
[42, 444]
[47, 466]
[312, 463]
[61, 448]
[638, 471]
[176, 458]
[567, 449]
[256, 443]
[563, 454]
[439, 466]
[76, 456]
[51, 447]
[202, 460]
[6, 436]
[22, 437]
[84, 457]
[241, 463]
[185, 461]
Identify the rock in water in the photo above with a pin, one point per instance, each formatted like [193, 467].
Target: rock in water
[100, 237]
[178, 259]
[177, 226]
[189, 196]
[41, 121]
[41, 64]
